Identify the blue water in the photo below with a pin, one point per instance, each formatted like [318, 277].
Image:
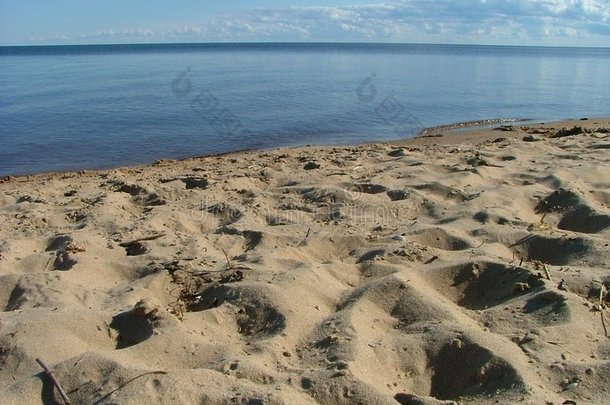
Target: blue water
[79, 107]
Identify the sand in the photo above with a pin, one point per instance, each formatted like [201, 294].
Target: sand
[463, 268]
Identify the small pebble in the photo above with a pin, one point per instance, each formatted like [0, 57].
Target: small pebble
[397, 153]
[570, 386]
[311, 166]
[558, 366]
[530, 138]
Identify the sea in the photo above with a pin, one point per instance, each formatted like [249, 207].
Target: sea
[67, 108]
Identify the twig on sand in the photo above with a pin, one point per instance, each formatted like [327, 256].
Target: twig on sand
[56, 383]
[514, 258]
[522, 240]
[151, 237]
[540, 226]
[431, 260]
[102, 399]
[601, 308]
[304, 241]
[231, 266]
[547, 272]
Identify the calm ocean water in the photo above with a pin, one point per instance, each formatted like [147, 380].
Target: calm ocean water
[77, 107]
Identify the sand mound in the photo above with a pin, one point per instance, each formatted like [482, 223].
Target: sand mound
[434, 273]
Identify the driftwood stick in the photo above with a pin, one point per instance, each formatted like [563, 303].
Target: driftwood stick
[206, 272]
[229, 265]
[431, 260]
[151, 237]
[522, 240]
[47, 371]
[601, 308]
[548, 273]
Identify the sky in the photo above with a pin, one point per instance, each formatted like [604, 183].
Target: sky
[498, 22]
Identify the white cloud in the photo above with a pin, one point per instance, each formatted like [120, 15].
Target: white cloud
[478, 21]
[554, 22]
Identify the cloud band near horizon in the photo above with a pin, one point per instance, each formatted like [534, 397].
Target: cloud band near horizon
[533, 22]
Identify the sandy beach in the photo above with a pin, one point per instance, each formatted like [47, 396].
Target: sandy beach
[463, 268]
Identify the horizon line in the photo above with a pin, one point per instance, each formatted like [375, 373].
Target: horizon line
[298, 43]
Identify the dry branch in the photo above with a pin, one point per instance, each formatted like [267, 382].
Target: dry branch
[601, 308]
[522, 240]
[56, 383]
[134, 241]
[547, 272]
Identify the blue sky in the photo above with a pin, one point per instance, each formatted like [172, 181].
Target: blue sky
[523, 22]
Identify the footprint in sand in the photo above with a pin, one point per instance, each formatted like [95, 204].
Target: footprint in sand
[135, 326]
[482, 285]
[585, 220]
[255, 316]
[139, 194]
[555, 251]
[63, 259]
[439, 238]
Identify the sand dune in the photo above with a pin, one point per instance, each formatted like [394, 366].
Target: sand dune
[460, 268]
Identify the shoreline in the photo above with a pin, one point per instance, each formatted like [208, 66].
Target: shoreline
[469, 125]
[446, 133]
[453, 135]
[468, 267]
